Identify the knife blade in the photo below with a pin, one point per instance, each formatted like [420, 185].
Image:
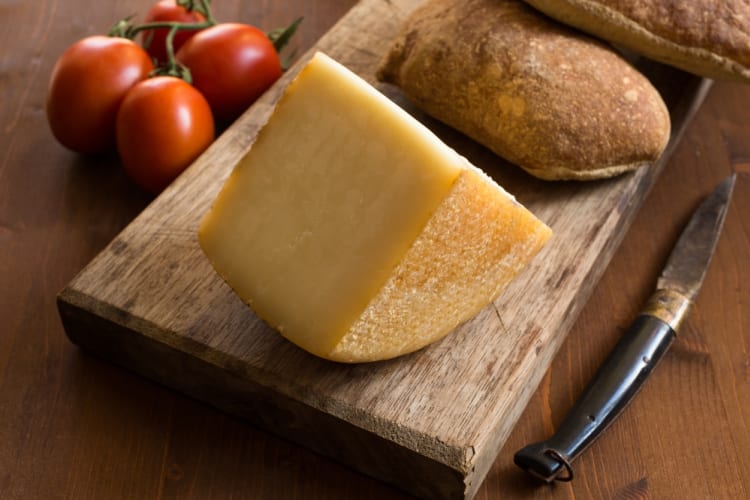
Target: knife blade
[634, 356]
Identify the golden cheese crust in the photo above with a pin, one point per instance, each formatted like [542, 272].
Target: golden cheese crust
[477, 241]
[710, 38]
[549, 99]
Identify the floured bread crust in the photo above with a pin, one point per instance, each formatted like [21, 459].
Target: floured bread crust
[710, 38]
[549, 99]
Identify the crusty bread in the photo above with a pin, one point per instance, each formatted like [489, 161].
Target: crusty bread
[477, 241]
[553, 101]
[710, 38]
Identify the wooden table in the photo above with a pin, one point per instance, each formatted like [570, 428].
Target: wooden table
[72, 426]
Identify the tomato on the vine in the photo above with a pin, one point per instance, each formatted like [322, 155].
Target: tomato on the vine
[232, 65]
[168, 11]
[162, 126]
[87, 85]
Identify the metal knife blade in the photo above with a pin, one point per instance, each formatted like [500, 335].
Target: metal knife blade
[628, 365]
[687, 265]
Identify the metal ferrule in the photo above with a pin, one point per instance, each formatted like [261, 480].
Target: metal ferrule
[669, 306]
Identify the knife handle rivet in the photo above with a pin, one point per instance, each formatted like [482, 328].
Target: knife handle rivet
[646, 359]
[592, 418]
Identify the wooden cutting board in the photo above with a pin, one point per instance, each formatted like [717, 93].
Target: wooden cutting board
[431, 422]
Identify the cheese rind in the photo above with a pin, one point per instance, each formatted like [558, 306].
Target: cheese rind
[477, 241]
[331, 225]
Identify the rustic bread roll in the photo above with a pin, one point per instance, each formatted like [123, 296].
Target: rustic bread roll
[708, 37]
[551, 100]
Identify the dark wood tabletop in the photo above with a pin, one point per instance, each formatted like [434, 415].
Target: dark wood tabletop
[72, 426]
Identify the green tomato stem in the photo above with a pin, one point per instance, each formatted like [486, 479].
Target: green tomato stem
[170, 25]
[280, 36]
[202, 7]
[173, 66]
[125, 28]
[205, 9]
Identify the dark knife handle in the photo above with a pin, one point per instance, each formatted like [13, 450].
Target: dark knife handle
[612, 388]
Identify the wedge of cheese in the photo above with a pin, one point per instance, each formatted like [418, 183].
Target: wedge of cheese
[354, 231]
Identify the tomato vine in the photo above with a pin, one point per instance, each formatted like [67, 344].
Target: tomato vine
[125, 28]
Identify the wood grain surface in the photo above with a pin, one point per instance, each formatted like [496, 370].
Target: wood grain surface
[430, 423]
[75, 427]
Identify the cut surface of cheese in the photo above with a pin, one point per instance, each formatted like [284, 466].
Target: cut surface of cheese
[354, 231]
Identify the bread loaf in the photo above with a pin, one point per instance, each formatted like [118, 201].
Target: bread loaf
[553, 101]
[710, 38]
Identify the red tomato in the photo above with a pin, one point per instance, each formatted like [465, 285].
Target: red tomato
[87, 85]
[232, 65]
[162, 126]
[168, 11]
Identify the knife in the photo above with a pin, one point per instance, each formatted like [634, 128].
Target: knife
[638, 351]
